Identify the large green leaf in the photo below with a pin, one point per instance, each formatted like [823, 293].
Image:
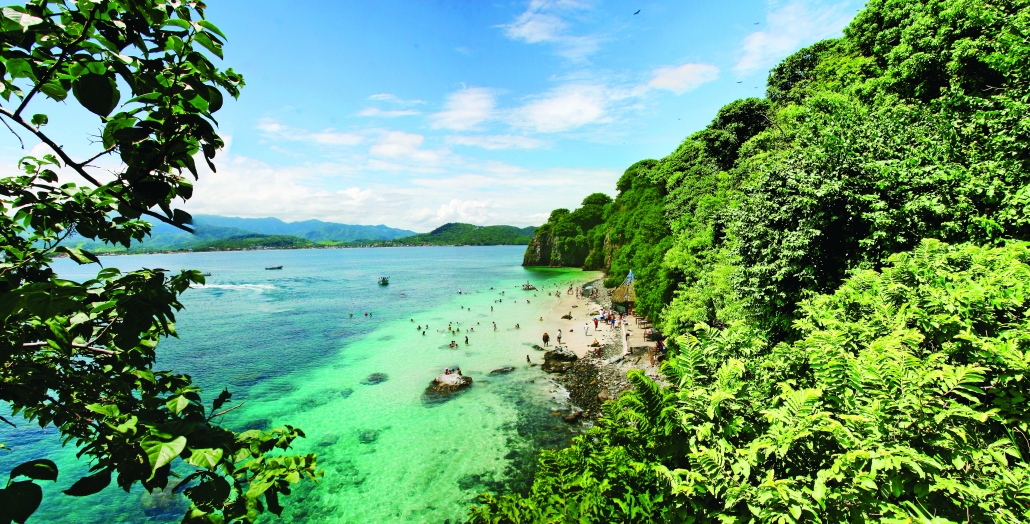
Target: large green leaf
[98, 93]
[161, 452]
[89, 485]
[19, 501]
[205, 458]
[41, 469]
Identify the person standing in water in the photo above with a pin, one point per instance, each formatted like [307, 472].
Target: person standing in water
[559, 337]
[466, 340]
[547, 338]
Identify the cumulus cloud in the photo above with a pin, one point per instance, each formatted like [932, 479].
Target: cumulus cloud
[496, 141]
[564, 108]
[278, 131]
[544, 21]
[681, 79]
[789, 28]
[465, 109]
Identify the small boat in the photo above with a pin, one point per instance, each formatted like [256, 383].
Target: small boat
[384, 281]
[206, 273]
[528, 287]
[274, 267]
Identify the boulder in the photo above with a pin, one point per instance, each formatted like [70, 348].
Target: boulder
[445, 387]
[567, 317]
[574, 416]
[502, 371]
[558, 360]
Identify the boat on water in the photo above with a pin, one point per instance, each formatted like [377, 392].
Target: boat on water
[206, 273]
[384, 281]
[274, 267]
[528, 287]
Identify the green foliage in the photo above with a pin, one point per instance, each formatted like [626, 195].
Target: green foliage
[831, 364]
[903, 400]
[79, 356]
[256, 241]
[458, 234]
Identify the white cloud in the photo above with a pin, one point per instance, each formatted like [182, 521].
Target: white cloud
[787, 29]
[565, 108]
[686, 77]
[375, 111]
[544, 21]
[387, 97]
[397, 144]
[465, 109]
[275, 130]
[496, 141]
[470, 211]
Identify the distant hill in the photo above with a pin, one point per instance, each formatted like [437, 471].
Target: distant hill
[247, 233]
[313, 230]
[458, 234]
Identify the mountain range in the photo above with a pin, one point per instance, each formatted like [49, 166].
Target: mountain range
[213, 232]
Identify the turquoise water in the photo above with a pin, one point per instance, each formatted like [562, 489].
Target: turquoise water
[286, 344]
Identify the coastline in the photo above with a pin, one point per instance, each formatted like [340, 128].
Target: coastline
[593, 379]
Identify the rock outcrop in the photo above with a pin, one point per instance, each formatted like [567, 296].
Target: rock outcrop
[558, 360]
[502, 371]
[445, 387]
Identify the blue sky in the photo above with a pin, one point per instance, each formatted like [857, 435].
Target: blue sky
[417, 113]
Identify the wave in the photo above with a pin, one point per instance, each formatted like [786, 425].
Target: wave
[251, 287]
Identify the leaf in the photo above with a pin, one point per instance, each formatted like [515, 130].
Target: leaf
[211, 27]
[54, 90]
[177, 404]
[41, 469]
[214, 99]
[89, 485]
[109, 410]
[98, 93]
[205, 458]
[223, 397]
[39, 120]
[19, 501]
[79, 255]
[210, 44]
[181, 217]
[24, 19]
[161, 452]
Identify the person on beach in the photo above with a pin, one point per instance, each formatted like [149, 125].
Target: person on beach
[547, 339]
[527, 359]
[495, 326]
[559, 336]
[595, 324]
[586, 328]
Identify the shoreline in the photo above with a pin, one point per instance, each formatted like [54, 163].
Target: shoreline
[592, 379]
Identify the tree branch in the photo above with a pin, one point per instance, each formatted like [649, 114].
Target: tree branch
[57, 64]
[78, 167]
[220, 413]
[16, 135]
[76, 346]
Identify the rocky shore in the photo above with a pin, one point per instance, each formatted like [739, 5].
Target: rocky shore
[590, 380]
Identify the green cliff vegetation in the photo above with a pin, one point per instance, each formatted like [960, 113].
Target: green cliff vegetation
[842, 270]
[458, 234]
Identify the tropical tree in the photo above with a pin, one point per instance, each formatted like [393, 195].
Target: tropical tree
[79, 356]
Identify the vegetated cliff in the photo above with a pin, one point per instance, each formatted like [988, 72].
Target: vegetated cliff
[841, 269]
[564, 240]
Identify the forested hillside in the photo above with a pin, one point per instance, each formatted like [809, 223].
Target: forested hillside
[458, 234]
[842, 272]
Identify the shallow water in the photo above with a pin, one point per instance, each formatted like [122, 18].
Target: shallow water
[286, 343]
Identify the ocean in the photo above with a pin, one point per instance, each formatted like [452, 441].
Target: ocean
[297, 346]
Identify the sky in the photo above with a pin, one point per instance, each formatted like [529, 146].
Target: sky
[413, 113]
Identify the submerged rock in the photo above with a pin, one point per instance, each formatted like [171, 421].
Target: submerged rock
[502, 371]
[558, 360]
[537, 347]
[445, 387]
[368, 436]
[567, 317]
[574, 416]
[375, 378]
